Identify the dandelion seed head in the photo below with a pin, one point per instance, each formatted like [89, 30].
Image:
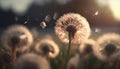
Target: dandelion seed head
[31, 61]
[15, 40]
[74, 23]
[110, 45]
[17, 35]
[88, 46]
[72, 30]
[47, 47]
[109, 49]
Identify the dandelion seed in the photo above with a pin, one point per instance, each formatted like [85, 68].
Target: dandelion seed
[43, 24]
[48, 18]
[25, 22]
[31, 61]
[110, 45]
[47, 47]
[74, 24]
[96, 13]
[97, 30]
[55, 16]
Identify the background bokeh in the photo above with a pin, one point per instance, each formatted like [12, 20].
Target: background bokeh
[33, 12]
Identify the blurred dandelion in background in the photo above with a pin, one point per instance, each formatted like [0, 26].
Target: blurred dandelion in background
[31, 61]
[76, 25]
[16, 38]
[88, 47]
[109, 45]
[47, 47]
[18, 35]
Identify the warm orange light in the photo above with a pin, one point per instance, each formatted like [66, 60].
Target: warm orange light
[114, 6]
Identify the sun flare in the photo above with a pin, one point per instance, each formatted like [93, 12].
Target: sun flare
[113, 5]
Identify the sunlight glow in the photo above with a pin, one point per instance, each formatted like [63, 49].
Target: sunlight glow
[102, 3]
[114, 6]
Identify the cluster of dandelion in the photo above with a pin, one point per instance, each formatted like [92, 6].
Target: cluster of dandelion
[21, 50]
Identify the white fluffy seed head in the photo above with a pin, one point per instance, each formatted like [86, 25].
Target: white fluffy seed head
[31, 61]
[17, 31]
[76, 20]
[88, 46]
[52, 47]
[109, 39]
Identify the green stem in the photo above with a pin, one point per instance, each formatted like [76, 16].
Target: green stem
[68, 51]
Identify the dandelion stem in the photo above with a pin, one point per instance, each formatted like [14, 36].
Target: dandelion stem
[14, 54]
[68, 50]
